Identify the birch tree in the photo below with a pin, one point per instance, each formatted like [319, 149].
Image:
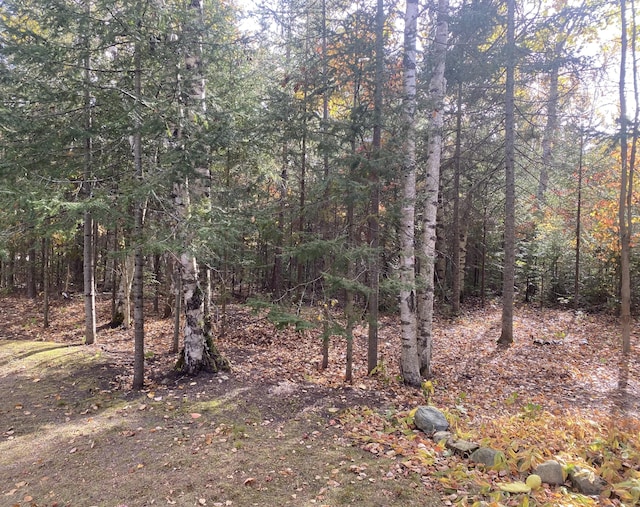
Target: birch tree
[437, 89]
[409, 362]
[199, 352]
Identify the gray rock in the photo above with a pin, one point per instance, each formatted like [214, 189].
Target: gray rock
[439, 436]
[485, 455]
[586, 481]
[550, 472]
[430, 420]
[462, 448]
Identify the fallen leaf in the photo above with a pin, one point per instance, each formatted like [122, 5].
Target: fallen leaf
[75, 449]
[514, 487]
[195, 415]
[249, 481]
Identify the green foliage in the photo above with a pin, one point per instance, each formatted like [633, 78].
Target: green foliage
[279, 317]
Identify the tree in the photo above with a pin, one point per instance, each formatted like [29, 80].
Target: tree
[138, 277]
[199, 352]
[508, 276]
[88, 255]
[625, 207]
[374, 215]
[409, 360]
[437, 89]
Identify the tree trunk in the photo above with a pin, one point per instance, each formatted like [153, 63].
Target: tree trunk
[175, 346]
[626, 181]
[157, 278]
[374, 214]
[576, 277]
[45, 281]
[32, 284]
[508, 276]
[409, 359]
[88, 257]
[548, 135]
[122, 313]
[626, 345]
[483, 266]
[349, 293]
[437, 86]
[199, 352]
[326, 336]
[455, 261]
[138, 217]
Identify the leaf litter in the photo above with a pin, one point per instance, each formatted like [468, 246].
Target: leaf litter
[561, 391]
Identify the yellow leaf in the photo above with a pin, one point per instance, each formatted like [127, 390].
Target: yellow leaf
[514, 487]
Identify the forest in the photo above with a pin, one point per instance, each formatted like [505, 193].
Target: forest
[382, 190]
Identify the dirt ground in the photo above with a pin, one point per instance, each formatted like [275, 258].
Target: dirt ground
[73, 434]
[272, 431]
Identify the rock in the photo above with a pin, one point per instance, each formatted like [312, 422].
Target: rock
[550, 472]
[586, 482]
[485, 455]
[462, 448]
[439, 436]
[430, 420]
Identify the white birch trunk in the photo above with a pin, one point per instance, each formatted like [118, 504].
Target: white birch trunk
[437, 86]
[199, 352]
[409, 363]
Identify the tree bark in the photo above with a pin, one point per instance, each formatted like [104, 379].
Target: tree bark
[625, 213]
[548, 135]
[46, 277]
[88, 257]
[122, 308]
[508, 275]
[455, 252]
[138, 216]
[175, 346]
[374, 214]
[437, 88]
[576, 278]
[409, 359]
[32, 284]
[199, 352]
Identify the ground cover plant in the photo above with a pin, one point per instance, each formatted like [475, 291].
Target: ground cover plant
[278, 431]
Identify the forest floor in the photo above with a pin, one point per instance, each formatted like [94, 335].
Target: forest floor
[277, 431]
